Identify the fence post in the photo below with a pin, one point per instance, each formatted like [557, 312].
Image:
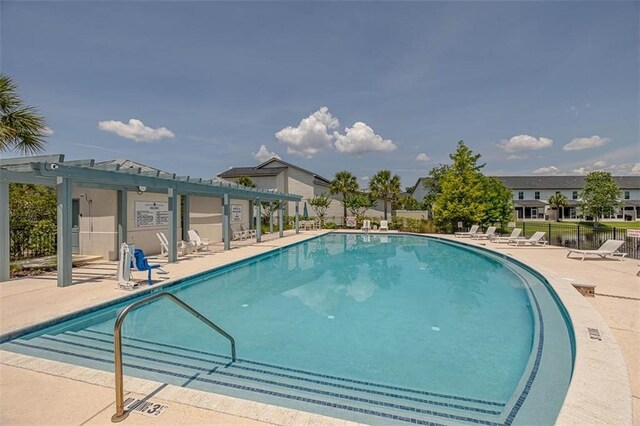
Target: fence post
[549, 234]
[524, 230]
[578, 236]
[614, 233]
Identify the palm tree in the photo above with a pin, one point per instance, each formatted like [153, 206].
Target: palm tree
[21, 128]
[344, 183]
[558, 200]
[384, 185]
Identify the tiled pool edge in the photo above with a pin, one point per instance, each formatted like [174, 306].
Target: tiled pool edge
[600, 391]
[218, 403]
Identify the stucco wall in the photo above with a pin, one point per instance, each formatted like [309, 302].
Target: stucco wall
[97, 222]
[145, 237]
[205, 216]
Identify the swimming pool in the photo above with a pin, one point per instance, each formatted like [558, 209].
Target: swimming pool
[368, 328]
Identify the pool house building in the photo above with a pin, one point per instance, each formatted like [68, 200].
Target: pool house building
[102, 205]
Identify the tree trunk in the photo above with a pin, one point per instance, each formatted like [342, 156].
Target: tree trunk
[385, 209]
[344, 206]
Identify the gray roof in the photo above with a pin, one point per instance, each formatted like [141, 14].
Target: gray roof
[237, 172]
[529, 203]
[562, 182]
[261, 170]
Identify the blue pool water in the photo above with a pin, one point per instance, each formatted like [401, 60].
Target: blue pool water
[377, 329]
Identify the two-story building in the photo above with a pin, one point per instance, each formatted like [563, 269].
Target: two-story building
[531, 196]
[279, 175]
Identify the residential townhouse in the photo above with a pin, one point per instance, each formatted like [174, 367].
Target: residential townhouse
[531, 196]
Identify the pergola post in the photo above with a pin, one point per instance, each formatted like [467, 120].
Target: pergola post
[281, 219]
[258, 220]
[4, 231]
[186, 221]
[296, 218]
[251, 224]
[121, 219]
[270, 217]
[173, 197]
[65, 258]
[226, 221]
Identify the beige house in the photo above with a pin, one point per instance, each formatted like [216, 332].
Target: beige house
[279, 175]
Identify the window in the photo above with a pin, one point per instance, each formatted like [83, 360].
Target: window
[537, 195]
[521, 195]
[574, 195]
[627, 195]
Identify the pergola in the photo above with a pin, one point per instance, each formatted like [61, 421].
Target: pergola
[53, 171]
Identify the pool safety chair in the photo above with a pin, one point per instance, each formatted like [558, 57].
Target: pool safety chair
[124, 268]
[142, 264]
[384, 225]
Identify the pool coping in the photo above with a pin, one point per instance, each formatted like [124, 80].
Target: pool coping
[599, 391]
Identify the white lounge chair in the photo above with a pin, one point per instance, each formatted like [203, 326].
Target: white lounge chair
[384, 225]
[366, 225]
[487, 235]
[535, 240]
[515, 234]
[183, 246]
[473, 231]
[609, 248]
[249, 233]
[124, 268]
[196, 241]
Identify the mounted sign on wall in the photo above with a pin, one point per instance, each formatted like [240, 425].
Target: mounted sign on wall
[151, 213]
[236, 212]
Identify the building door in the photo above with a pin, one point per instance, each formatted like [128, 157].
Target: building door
[75, 226]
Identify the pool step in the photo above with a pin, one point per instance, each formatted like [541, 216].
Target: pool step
[367, 402]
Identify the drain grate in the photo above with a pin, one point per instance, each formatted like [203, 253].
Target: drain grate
[594, 334]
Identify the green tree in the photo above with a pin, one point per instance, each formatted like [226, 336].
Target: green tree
[600, 195]
[21, 128]
[320, 204]
[386, 186]
[461, 191]
[344, 183]
[358, 204]
[245, 181]
[407, 202]
[433, 186]
[498, 202]
[558, 201]
[32, 218]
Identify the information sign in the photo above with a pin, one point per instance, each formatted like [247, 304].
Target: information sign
[151, 213]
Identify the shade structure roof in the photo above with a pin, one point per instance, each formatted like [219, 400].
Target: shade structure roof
[86, 173]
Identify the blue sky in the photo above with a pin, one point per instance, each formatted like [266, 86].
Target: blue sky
[535, 87]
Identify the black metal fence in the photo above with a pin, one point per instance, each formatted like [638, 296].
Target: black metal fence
[25, 244]
[582, 237]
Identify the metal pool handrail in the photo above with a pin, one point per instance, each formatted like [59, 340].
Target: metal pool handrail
[117, 344]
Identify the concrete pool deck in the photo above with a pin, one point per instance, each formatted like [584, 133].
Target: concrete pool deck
[38, 391]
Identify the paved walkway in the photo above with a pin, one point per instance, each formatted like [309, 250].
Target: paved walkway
[35, 393]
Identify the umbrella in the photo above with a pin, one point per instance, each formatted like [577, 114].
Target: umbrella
[305, 212]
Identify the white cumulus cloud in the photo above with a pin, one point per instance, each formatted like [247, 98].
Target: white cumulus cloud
[635, 168]
[135, 130]
[312, 134]
[525, 143]
[361, 138]
[580, 171]
[422, 157]
[516, 157]
[578, 144]
[551, 170]
[264, 154]
[47, 131]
